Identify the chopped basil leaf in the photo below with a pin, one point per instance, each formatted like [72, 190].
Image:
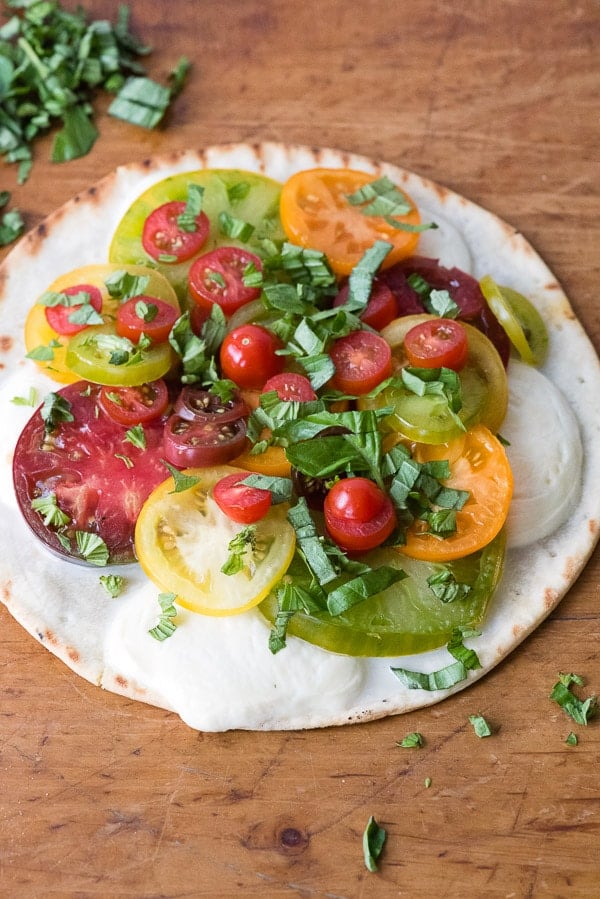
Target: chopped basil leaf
[480, 726]
[43, 353]
[310, 545]
[165, 627]
[581, 711]
[113, 584]
[241, 549]
[439, 302]
[197, 353]
[11, 224]
[125, 459]
[235, 228]
[92, 548]
[446, 677]
[374, 838]
[238, 191]
[182, 481]
[193, 207]
[292, 598]
[141, 101]
[55, 408]
[446, 588]
[361, 277]
[571, 739]
[51, 514]
[77, 136]
[427, 783]
[122, 285]
[411, 741]
[147, 312]
[281, 489]
[381, 197]
[367, 584]
[136, 436]
[29, 400]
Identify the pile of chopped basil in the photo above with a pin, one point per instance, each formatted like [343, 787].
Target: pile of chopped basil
[54, 62]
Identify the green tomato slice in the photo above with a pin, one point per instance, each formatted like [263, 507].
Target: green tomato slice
[520, 319]
[99, 355]
[245, 196]
[427, 419]
[406, 618]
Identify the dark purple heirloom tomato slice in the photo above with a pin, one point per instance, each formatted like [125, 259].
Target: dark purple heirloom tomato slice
[166, 241]
[99, 479]
[196, 443]
[58, 317]
[218, 277]
[197, 402]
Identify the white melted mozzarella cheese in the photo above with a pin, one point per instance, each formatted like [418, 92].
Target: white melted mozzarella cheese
[546, 456]
[444, 243]
[218, 673]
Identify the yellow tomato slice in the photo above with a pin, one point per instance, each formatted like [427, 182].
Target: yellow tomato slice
[478, 464]
[315, 212]
[38, 333]
[182, 542]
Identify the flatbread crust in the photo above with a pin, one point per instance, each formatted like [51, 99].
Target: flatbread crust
[63, 606]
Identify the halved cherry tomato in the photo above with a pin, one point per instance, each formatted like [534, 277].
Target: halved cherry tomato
[436, 344]
[315, 212]
[248, 356]
[197, 443]
[362, 360]
[135, 405]
[358, 515]
[198, 402]
[163, 237]
[59, 317]
[243, 504]
[182, 542]
[381, 308]
[218, 277]
[478, 464]
[146, 315]
[291, 386]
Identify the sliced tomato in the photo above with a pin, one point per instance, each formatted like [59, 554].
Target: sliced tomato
[249, 357]
[381, 307]
[407, 617]
[218, 278]
[198, 443]
[316, 212]
[272, 461]
[241, 503]
[98, 354]
[182, 542]
[291, 387]
[437, 344]
[135, 405]
[358, 515]
[39, 333]
[479, 465]
[60, 317]
[146, 315]
[98, 477]
[165, 240]
[362, 360]
[198, 402]
[520, 319]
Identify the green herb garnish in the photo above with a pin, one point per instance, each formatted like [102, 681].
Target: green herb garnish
[193, 207]
[55, 408]
[480, 726]
[113, 584]
[374, 838]
[579, 710]
[29, 400]
[11, 223]
[136, 436]
[92, 548]
[444, 678]
[49, 510]
[182, 481]
[165, 627]
[411, 741]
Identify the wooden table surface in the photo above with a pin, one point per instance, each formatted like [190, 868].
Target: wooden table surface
[101, 796]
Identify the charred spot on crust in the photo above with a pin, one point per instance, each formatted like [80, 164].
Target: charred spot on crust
[121, 681]
[6, 343]
[73, 654]
[550, 598]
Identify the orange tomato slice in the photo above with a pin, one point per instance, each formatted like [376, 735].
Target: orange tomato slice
[479, 464]
[272, 462]
[315, 212]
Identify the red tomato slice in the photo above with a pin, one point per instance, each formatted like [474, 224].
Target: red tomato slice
[248, 356]
[135, 405]
[100, 479]
[196, 402]
[362, 360]
[197, 443]
[437, 343]
[218, 277]
[291, 386]
[162, 236]
[245, 505]
[358, 515]
[381, 308]
[58, 316]
[146, 315]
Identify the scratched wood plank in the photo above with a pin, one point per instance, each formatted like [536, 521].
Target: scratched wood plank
[102, 796]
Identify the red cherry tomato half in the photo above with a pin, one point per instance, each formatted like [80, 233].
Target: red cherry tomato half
[291, 387]
[197, 402]
[135, 405]
[362, 360]
[58, 316]
[358, 515]
[381, 308]
[437, 343]
[146, 315]
[240, 503]
[248, 356]
[197, 443]
[218, 277]
[162, 237]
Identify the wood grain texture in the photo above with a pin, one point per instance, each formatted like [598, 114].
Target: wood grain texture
[100, 796]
